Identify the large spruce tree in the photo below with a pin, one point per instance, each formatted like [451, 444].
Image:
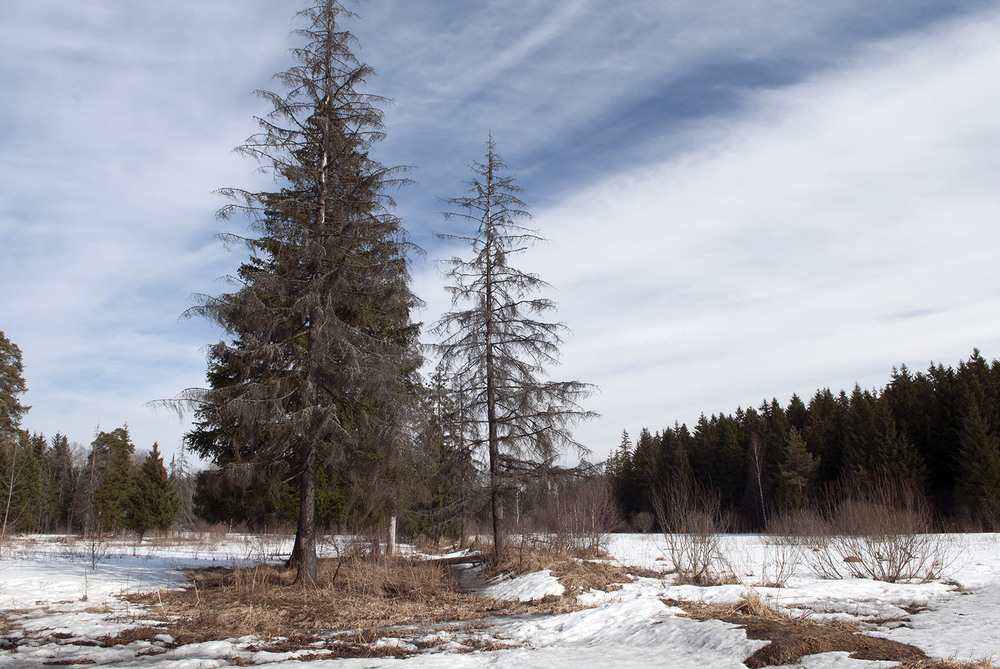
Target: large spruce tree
[320, 340]
[495, 343]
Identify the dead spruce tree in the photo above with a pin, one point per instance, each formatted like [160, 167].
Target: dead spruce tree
[314, 371]
[495, 345]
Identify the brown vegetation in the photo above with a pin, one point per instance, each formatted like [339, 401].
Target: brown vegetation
[881, 529]
[577, 571]
[791, 638]
[355, 603]
[947, 664]
[692, 522]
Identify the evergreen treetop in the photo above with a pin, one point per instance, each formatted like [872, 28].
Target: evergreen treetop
[12, 385]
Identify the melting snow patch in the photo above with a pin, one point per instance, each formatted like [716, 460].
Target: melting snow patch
[393, 642]
[527, 588]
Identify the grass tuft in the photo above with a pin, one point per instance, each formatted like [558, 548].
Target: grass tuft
[576, 573]
[948, 664]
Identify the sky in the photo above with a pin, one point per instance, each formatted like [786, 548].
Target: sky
[742, 201]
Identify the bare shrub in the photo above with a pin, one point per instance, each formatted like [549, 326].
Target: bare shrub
[692, 522]
[880, 529]
[594, 516]
[781, 557]
[643, 521]
[798, 527]
[578, 519]
[789, 535]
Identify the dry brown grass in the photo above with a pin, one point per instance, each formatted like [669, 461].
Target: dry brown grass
[169, 540]
[358, 601]
[947, 664]
[791, 638]
[575, 572]
[125, 637]
[354, 605]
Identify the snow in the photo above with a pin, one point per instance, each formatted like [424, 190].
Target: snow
[58, 599]
[526, 588]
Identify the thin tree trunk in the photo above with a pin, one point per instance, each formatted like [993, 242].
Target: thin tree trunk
[10, 496]
[760, 488]
[496, 509]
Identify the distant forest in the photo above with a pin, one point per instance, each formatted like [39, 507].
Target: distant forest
[934, 431]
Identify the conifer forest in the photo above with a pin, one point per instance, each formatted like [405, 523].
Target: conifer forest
[930, 431]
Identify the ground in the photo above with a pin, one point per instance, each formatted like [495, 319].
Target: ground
[66, 602]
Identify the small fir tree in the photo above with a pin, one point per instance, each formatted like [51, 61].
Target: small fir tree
[152, 502]
[797, 470]
[114, 451]
[183, 481]
[63, 478]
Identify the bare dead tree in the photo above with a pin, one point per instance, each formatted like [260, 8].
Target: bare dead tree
[757, 457]
[495, 342]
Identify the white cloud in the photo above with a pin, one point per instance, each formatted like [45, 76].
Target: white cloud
[838, 228]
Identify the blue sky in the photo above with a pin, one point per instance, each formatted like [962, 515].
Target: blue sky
[743, 200]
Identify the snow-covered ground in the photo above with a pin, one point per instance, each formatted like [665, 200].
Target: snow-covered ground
[56, 602]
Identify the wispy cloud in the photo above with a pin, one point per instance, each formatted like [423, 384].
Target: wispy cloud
[775, 256]
[744, 199]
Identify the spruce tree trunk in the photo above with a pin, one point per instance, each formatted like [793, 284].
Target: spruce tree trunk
[293, 558]
[307, 561]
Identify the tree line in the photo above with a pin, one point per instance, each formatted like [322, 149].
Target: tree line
[51, 485]
[938, 431]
